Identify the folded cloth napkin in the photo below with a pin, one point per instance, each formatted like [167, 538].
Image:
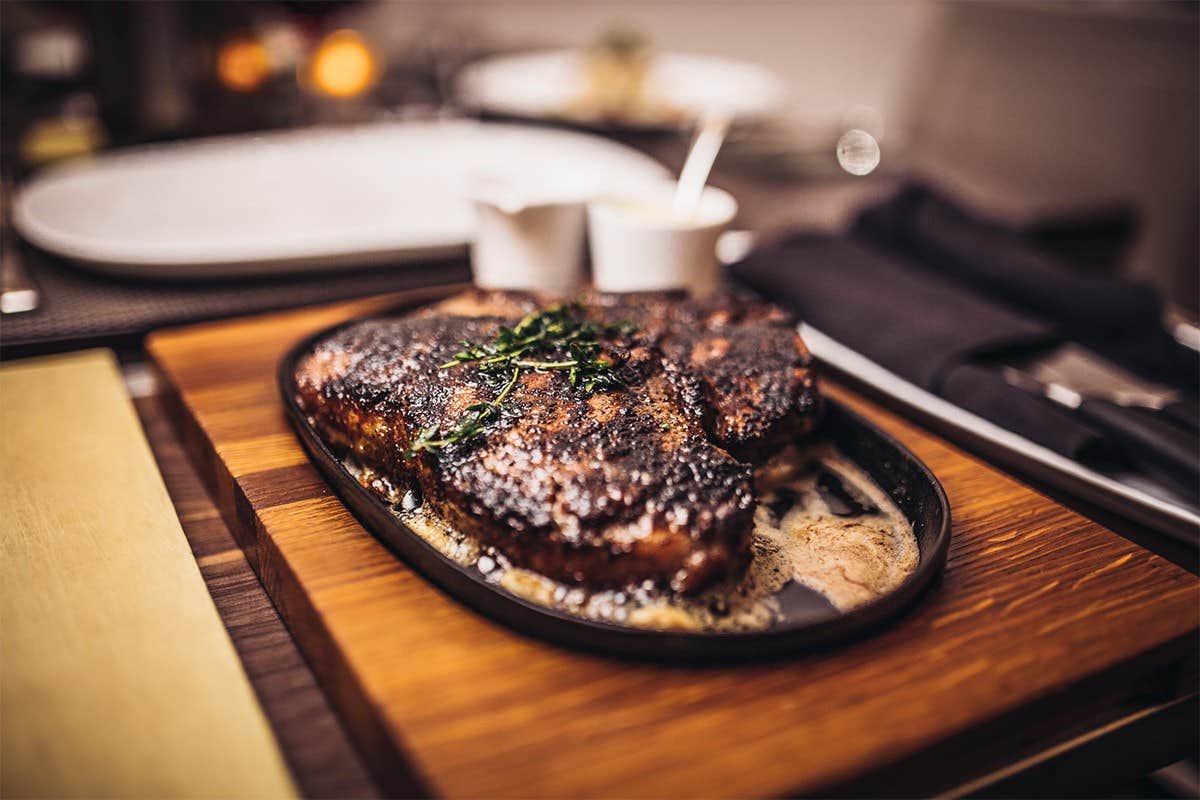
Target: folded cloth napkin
[942, 336]
[1116, 318]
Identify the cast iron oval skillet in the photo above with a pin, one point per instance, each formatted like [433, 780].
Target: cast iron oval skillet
[809, 621]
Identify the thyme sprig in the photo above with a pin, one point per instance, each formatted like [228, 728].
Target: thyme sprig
[477, 416]
[552, 339]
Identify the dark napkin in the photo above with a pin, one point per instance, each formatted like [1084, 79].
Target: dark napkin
[1119, 319]
[80, 308]
[941, 336]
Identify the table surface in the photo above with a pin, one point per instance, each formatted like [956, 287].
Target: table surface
[323, 761]
[1047, 628]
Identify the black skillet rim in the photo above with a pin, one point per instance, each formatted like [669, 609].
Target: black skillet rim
[918, 494]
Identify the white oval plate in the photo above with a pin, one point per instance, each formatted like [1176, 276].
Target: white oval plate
[547, 84]
[313, 199]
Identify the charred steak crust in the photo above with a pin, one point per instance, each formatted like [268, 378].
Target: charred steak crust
[648, 482]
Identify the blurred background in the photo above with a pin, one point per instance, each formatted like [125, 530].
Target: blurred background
[1020, 108]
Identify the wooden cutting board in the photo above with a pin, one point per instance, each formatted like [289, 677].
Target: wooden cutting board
[1044, 624]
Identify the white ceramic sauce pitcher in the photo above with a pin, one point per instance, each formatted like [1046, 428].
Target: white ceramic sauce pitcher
[527, 241]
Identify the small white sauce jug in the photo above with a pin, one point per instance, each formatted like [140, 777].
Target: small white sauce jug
[532, 242]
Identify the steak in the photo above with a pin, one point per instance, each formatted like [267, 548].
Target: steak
[650, 480]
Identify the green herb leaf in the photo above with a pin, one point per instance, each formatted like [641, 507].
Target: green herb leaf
[554, 338]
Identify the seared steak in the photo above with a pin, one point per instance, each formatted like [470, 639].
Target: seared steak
[650, 480]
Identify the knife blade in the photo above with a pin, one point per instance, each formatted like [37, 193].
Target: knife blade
[1094, 376]
[1160, 445]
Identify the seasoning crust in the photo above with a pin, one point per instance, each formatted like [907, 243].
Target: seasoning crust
[651, 480]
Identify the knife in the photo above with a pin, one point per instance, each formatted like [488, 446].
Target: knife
[18, 293]
[1150, 440]
[1091, 375]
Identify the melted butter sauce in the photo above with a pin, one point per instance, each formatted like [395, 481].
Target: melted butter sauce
[821, 522]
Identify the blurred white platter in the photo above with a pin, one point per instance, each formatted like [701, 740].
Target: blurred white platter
[303, 200]
[677, 87]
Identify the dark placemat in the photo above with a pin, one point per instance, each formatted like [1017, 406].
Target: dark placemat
[83, 309]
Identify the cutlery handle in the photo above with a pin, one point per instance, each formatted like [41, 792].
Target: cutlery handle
[1167, 445]
[18, 292]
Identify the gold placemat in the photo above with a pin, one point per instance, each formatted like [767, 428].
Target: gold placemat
[118, 678]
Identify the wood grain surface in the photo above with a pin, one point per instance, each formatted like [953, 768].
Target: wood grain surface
[322, 759]
[1044, 625]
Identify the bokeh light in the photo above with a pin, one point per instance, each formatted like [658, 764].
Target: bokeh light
[243, 63]
[858, 152]
[343, 65]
